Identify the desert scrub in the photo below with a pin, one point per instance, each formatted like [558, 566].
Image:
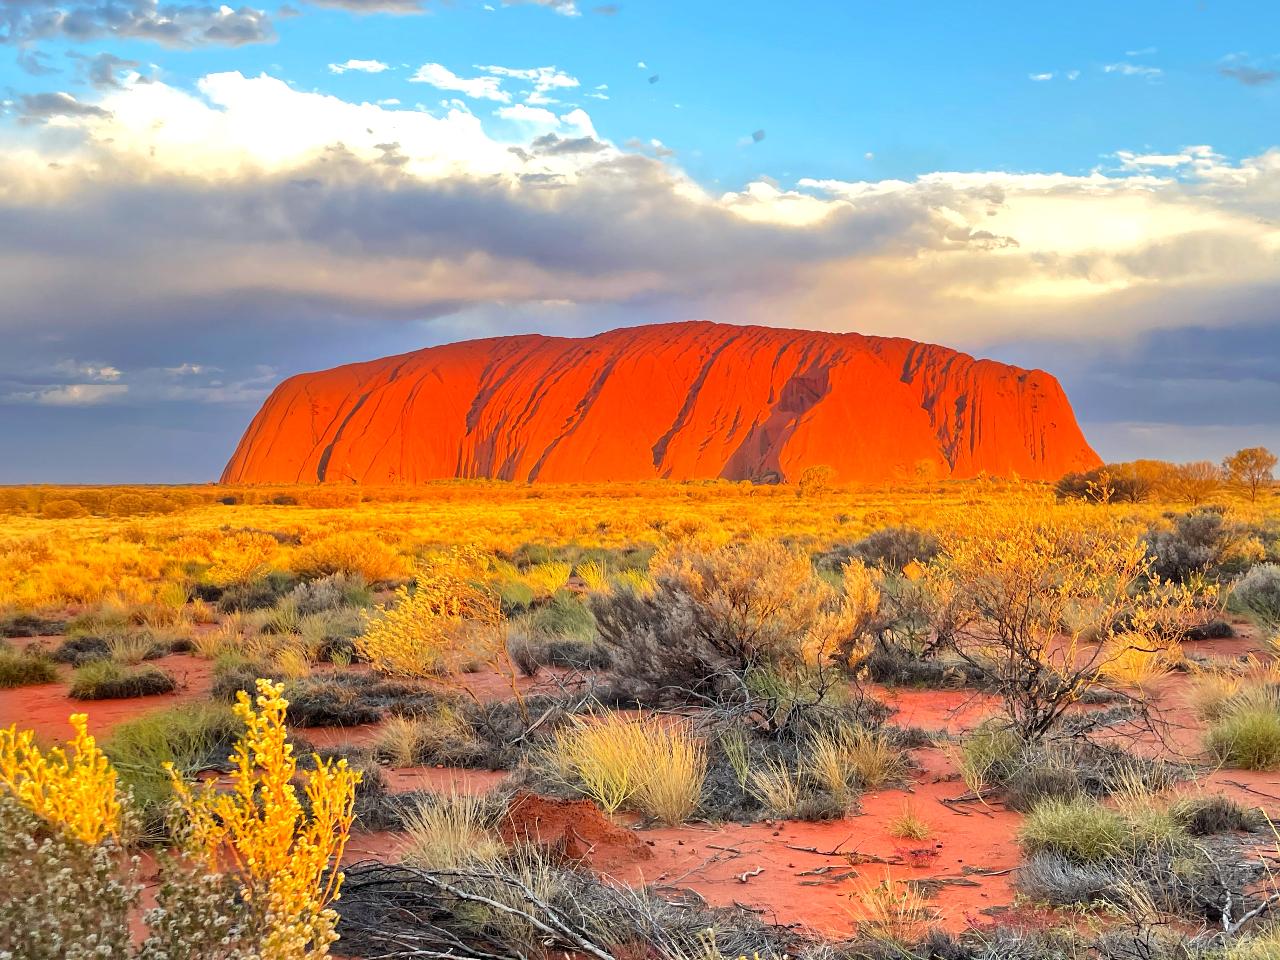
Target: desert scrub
[1258, 592]
[714, 614]
[445, 624]
[279, 851]
[1246, 736]
[25, 668]
[108, 680]
[350, 554]
[650, 764]
[190, 738]
[1080, 830]
[61, 897]
[73, 787]
[450, 831]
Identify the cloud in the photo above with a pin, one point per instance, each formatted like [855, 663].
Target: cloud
[568, 8]
[369, 7]
[1040, 77]
[478, 88]
[98, 372]
[359, 66]
[103, 70]
[1250, 76]
[542, 79]
[36, 63]
[174, 25]
[275, 240]
[1125, 69]
[41, 107]
[69, 395]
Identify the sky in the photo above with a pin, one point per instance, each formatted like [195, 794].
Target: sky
[197, 201]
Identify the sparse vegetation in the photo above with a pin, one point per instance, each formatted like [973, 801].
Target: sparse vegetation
[108, 680]
[672, 652]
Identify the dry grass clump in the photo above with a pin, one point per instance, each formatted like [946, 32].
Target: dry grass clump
[892, 911]
[841, 756]
[450, 831]
[1081, 830]
[25, 668]
[908, 825]
[1246, 736]
[1129, 662]
[108, 680]
[649, 764]
[778, 787]
[443, 736]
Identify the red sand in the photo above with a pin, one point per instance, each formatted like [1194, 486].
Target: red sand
[45, 708]
[793, 873]
[680, 400]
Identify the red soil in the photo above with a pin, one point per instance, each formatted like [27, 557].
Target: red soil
[575, 828]
[45, 708]
[681, 400]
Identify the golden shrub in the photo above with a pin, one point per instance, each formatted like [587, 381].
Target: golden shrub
[448, 620]
[351, 552]
[260, 832]
[73, 787]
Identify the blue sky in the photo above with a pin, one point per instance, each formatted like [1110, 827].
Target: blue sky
[1086, 187]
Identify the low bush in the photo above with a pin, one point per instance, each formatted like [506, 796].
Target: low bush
[1202, 541]
[257, 594]
[451, 831]
[650, 764]
[30, 625]
[564, 615]
[333, 592]
[1078, 830]
[1246, 736]
[1258, 592]
[894, 547]
[25, 668]
[530, 654]
[108, 680]
[715, 614]
[366, 555]
[192, 737]
[1204, 815]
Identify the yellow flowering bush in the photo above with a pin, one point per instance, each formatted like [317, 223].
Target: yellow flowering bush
[260, 834]
[448, 620]
[73, 787]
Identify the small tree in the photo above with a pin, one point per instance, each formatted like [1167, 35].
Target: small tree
[1195, 482]
[1251, 468]
[815, 479]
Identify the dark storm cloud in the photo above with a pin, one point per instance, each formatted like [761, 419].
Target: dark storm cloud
[176, 25]
[553, 145]
[101, 70]
[362, 235]
[38, 107]
[1250, 76]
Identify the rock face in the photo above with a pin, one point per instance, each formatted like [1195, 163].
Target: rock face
[680, 400]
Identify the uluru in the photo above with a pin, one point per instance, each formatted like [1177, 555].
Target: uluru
[677, 401]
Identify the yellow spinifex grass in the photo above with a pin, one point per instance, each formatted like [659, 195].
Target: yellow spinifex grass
[653, 765]
[73, 787]
[260, 833]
